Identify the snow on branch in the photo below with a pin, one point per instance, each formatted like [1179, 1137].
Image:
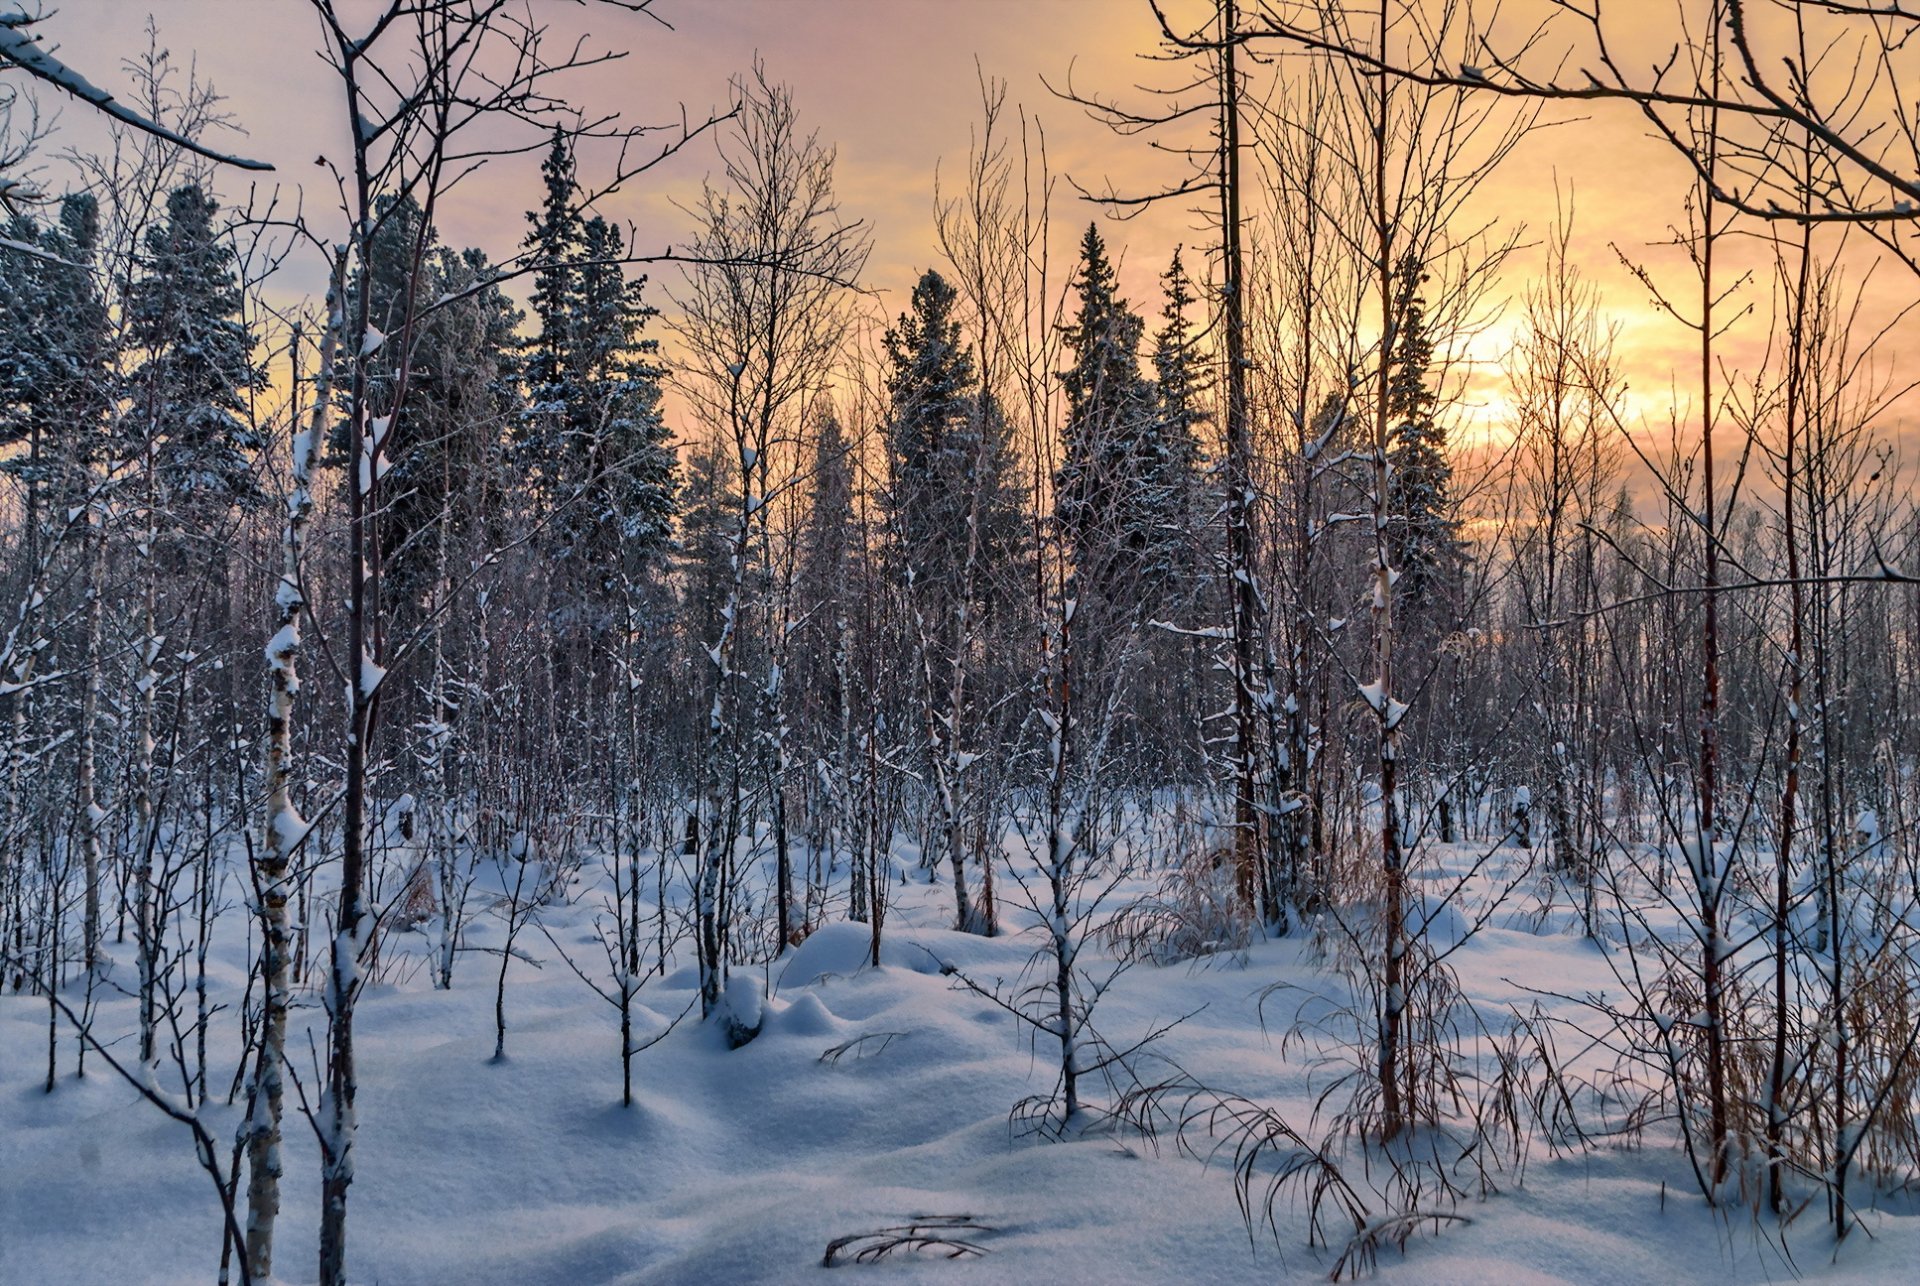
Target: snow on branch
[20, 48]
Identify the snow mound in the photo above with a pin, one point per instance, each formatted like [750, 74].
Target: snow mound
[832, 950]
[807, 1016]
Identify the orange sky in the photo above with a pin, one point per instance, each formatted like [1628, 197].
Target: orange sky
[892, 83]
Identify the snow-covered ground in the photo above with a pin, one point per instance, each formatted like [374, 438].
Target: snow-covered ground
[740, 1166]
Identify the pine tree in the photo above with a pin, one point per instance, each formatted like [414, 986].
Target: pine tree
[399, 235]
[930, 387]
[827, 540]
[949, 449]
[462, 397]
[193, 386]
[937, 442]
[1423, 538]
[707, 520]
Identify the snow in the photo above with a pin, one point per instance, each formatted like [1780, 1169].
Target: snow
[19, 46]
[739, 1166]
[746, 1000]
[289, 828]
[303, 448]
[284, 643]
[372, 674]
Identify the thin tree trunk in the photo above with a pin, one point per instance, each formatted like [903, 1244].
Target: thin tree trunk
[283, 829]
[1240, 546]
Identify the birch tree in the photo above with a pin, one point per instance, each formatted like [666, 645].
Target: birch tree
[762, 313]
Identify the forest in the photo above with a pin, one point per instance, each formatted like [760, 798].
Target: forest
[609, 757]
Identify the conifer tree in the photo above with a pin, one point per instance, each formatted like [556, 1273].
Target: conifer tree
[461, 388]
[712, 498]
[956, 526]
[1177, 502]
[826, 597]
[56, 349]
[399, 238]
[829, 551]
[1422, 537]
[1111, 448]
[624, 465]
[553, 243]
[930, 388]
[467, 365]
[199, 369]
[827, 542]
[949, 450]
[592, 437]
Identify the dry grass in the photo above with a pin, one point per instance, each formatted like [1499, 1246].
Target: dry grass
[948, 1236]
[1195, 913]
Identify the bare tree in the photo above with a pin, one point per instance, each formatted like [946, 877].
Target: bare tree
[763, 315]
[415, 79]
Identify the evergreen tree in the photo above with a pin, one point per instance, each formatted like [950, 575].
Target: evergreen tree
[462, 390]
[949, 451]
[1423, 539]
[707, 522]
[930, 386]
[192, 389]
[1177, 500]
[827, 543]
[1113, 454]
[55, 347]
[624, 465]
[400, 236]
[825, 584]
[592, 437]
[462, 397]
[553, 243]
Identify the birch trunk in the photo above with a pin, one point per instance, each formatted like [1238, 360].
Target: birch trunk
[284, 830]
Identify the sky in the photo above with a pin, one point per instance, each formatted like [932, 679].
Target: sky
[893, 86]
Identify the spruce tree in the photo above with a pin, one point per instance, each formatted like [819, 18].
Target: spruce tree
[462, 398]
[462, 390]
[707, 521]
[950, 453]
[190, 392]
[1112, 450]
[1422, 538]
[55, 349]
[399, 235]
[1177, 500]
[829, 546]
[592, 439]
[553, 244]
[624, 464]
[827, 542]
[930, 386]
